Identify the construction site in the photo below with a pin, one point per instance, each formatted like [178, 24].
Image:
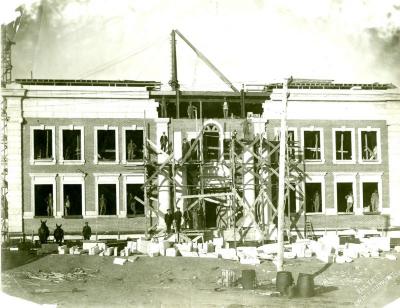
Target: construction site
[274, 181]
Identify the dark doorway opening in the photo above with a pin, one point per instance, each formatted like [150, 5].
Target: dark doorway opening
[343, 191]
[72, 200]
[313, 197]
[107, 199]
[44, 200]
[133, 207]
[210, 214]
[371, 196]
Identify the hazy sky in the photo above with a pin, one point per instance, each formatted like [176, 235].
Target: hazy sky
[252, 41]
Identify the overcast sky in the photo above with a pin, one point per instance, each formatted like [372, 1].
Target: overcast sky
[252, 41]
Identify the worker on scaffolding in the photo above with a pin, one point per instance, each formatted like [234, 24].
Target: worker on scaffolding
[185, 147]
[164, 142]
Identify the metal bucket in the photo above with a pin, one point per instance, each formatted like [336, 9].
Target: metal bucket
[228, 278]
[283, 281]
[305, 285]
[248, 279]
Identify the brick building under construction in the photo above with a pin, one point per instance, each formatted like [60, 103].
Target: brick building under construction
[91, 151]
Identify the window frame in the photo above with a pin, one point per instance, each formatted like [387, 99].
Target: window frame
[34, 161]
[124, 158]
[345, 177]
[378, 145]
[106, 178]
[277, 131]
[61, 151]
[353, 146]
[129, 179]
[371, 177]
[316, 177]
[322, 145]
[75, 179]
[96, 161]
[42, 179]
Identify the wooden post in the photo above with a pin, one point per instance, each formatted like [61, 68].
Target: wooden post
[282, 171]
[147, 213]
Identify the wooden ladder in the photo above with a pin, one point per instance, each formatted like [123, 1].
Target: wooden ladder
[309, 230]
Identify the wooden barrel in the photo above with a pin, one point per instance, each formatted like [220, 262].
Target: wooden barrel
[283, 281]
[248, 279]
[305, 285]
[228, 278]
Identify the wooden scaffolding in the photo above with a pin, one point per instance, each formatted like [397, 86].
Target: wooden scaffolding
[226, 192]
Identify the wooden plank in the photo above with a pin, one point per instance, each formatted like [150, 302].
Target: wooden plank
[158, 212]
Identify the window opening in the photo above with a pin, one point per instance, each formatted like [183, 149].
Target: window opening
[312, 145]
[71, 144]
[72, 199]
[43, 144]
[44, 200]
[134, 145]
[369, 145]
[370, 197]
[313, 197]
[211, 143]
[343, 145]
[134, 207]
[344, 197]
[106, 145]
[107, 199]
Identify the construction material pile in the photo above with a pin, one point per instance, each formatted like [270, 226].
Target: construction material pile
[326, 249]
[75, 275]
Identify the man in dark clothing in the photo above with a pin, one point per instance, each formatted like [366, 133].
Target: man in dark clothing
[87, 231]
[168, 218]
[164, 142]
[178, 220]
[185, 147]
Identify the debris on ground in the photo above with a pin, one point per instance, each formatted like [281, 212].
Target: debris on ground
[77, 274]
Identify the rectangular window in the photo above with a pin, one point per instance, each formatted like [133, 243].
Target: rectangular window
[72, 146]
[291, 141]
[44, 200]
[312, 145]
[72, 199]
[371, 200]
[42, 145]
[134, 208]
[133, 145]
[343, 145]
[369, 146]
[107, 199]
[106, 142]
[345, 197]
[313, 196]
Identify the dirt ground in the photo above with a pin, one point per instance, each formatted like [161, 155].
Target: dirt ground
[192, 282]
